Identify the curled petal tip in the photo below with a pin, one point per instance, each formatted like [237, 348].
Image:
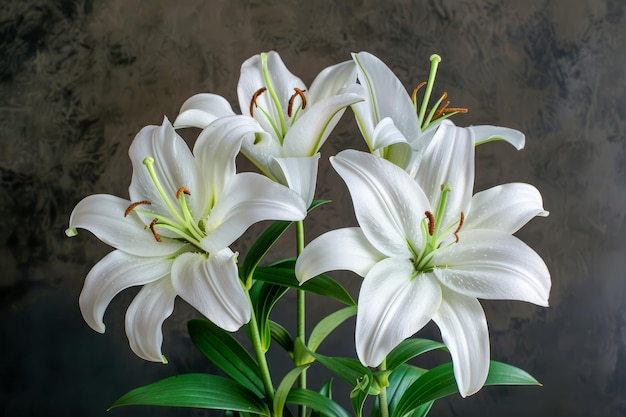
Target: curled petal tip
[71, 232]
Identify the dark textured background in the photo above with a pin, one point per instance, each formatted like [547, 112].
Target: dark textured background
[78, 79]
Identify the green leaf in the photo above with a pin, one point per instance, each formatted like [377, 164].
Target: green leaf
[328, 324]
[264, 297]
[280, 397]
[267, 239]
[198, 391]
[282, 337]
[439, 382]
[316, 401]
[221, 348]
[326, 391]
[284, 274]
[359, 394]
[410, 348]
[348, 369]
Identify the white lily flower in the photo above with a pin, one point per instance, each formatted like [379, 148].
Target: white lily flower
[296, 121]
[427, 250]
[389, 120]
[172, 236]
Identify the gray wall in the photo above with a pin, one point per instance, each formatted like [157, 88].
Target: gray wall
[79, 79]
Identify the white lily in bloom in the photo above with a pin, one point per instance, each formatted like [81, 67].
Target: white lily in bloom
[172, 236]
[399, 129]
[427, 250]
[296, 121]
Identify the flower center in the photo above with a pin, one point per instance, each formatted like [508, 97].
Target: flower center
[434, 236]
[297, 101]
[438, 112]
[179, 221]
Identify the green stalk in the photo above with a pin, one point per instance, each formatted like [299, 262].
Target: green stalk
[301, 329]
[382, 395]
[434, 63]
[260, 354]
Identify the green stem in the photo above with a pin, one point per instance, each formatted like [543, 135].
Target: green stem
[301, 329]
[382, 396]
[260, 354]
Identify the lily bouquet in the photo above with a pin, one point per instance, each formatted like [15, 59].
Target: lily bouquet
[426, 247]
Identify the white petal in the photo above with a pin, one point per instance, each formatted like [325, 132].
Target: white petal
[212, 287]
[299, 174]
[249, 198]
[114, 273]
[103, 215]
[493, 265]
[341, 249]
[388, 204]
[174, 166]
[506, 208]
[386, 133]
[486, 133]
[200, 110]
[386, 97]
[277, 79]
[216, 150]
[464, 331]
[449, 159]
[393, 305]
[313, 126]
[145, 316]
[331, 80]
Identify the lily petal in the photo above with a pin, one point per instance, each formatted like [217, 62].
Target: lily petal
[331, 80]
[114, 273]
[486, 133]
[212, 287]
[247, 199]
[103, 215]
[340, 249]
[386, 97]
[202, 109]
[464, 331]
[394, 305]
[174, 167]
[506, 208]
[493, 265]
[449, 159]
[299, 174]
[385, 134]
[389, 206]
[145, 317]
[216, 150]
[313, 126]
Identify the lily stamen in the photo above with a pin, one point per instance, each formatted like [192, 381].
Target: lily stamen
[253, 102]
[415, 91]
[300, 93]
[133, 206]
[182, 190]
[458, 229]
[152, 229]
[431, 222]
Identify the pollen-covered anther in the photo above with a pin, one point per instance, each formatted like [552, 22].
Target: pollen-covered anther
[298, 93]
[458, 228]
[153, 230]
[182, 190]
[431, 222]
[416, 89]
[133, 206]
[253, 102]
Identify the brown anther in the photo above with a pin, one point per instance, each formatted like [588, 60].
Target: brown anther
[416, 89]
[133, 206]
[458, 229]
[182, 190]
[253, 103]
[299, 93]
[153, 230]
[431, 222]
